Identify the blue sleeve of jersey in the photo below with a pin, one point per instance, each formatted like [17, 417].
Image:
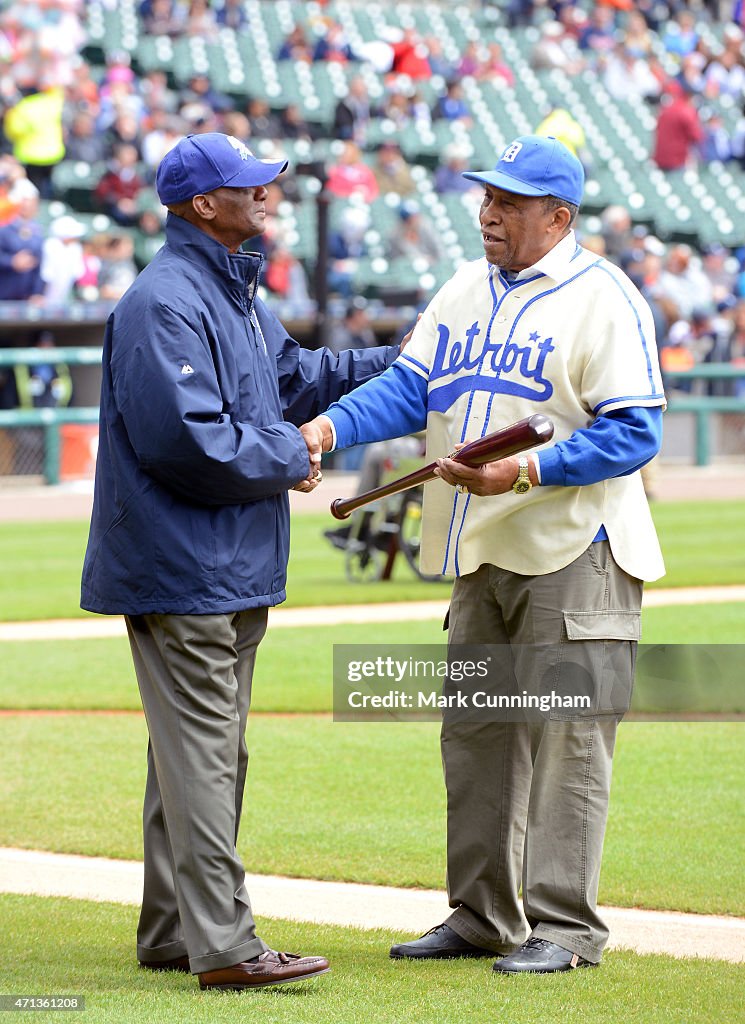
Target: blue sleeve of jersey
[391, 405]
[616, 444]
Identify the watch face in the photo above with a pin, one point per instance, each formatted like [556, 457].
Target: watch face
[521, 486]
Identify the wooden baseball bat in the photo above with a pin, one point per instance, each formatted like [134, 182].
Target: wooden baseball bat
[527, 433]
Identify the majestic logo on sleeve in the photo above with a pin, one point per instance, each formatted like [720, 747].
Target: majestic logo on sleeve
[513, 367]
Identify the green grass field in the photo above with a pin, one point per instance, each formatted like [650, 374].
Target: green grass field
[88, 949]
[294, 666]
[703, 542]
[374, 813]
[375, 810]
[43, 562]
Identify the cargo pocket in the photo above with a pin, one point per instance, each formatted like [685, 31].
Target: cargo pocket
[595, 674]
[605, 625]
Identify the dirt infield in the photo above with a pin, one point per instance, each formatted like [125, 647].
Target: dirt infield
[22, 503]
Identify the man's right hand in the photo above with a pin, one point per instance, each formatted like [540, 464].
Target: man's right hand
[318, 437]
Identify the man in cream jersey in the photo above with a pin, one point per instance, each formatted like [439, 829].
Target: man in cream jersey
[548, 550]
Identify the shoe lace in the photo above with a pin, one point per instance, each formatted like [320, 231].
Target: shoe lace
[437, 928]
[535, 943]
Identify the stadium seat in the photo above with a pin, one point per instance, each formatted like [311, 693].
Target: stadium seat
[701, 205]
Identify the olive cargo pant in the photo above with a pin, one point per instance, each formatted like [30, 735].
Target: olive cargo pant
[194, 674]
[527, 801]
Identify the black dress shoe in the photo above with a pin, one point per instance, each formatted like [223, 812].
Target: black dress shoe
[440, 943]
[179, 963]
[539, 956]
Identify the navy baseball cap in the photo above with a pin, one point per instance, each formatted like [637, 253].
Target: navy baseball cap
[202, 163]
[536, 166]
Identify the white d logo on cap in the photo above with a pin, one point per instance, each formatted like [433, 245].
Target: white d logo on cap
[511, 152]
[242, 149]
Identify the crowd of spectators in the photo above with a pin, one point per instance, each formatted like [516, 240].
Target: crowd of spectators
[48, 268]
[654, 53]
[55, 107]
[697, 298]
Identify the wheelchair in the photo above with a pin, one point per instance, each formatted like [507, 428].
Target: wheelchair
[377, 534]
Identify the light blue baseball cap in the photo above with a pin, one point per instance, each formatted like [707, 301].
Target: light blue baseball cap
[536, 166]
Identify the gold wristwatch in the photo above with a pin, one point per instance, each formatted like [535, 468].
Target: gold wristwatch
[522, 482]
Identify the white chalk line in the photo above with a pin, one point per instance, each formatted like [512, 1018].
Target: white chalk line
[102, 627]
[39, 873]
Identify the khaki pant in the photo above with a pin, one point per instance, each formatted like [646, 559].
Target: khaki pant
[194, 674]
[527, 801]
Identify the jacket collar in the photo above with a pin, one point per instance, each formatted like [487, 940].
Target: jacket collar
[240, 270]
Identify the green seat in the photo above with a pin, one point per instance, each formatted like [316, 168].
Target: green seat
[154, 53]
[50, 210]
[74, 182]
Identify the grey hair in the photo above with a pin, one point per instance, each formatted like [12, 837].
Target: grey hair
[553, 203]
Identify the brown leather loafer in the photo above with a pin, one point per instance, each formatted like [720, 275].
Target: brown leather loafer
[179, 963]
[271, 968]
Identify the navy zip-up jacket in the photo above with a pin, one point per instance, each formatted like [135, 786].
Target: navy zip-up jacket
[201, 396]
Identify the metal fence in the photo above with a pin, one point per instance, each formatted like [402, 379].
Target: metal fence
[730, 409]
[51, 442]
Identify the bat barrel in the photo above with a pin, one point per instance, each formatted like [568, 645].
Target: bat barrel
[531, 431]
[542, 427]
[526, 433]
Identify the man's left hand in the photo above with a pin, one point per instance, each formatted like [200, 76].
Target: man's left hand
[310, 483]
[493, 478]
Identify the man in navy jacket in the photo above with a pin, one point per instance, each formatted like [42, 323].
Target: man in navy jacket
[202, 395]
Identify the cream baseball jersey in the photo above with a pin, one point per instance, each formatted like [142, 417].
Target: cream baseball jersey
[571, 338]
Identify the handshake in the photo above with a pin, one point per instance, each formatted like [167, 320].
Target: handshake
[487, 466]
[319, 438]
